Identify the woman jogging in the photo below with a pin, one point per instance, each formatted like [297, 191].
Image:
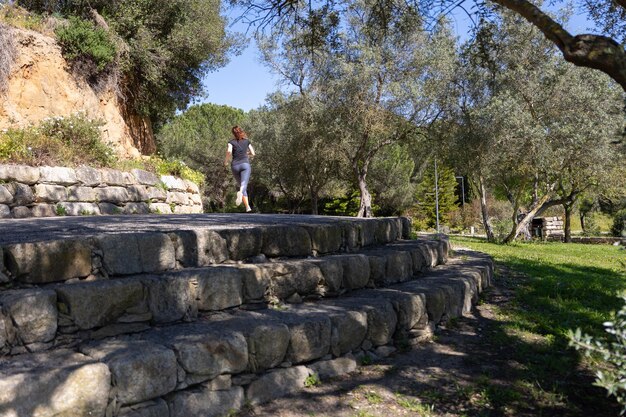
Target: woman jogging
[238, 150]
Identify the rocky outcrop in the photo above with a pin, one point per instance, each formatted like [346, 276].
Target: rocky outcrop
[40, 85]
[59, 191]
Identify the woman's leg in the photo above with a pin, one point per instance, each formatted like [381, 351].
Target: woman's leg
[236, 169]
[245, 178]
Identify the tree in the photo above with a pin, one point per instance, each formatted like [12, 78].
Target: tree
[604, 52]
[199, 137]
[167, 47]
[300, 155]
[542, 127]
[380, 76]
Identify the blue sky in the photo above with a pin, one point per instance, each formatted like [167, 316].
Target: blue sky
[245, 82]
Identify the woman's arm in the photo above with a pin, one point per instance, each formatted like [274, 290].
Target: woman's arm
[251, 150]
[229, 154]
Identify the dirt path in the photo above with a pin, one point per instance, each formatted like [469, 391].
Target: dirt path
[466, 371]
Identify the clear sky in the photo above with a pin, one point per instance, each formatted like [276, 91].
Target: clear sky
[245, 82]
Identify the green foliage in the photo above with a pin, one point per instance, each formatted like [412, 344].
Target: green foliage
[426, 196]
[16, 16]
[619, 224]
[390, 178]
[60, 210]
[82, 40]
[312, 380]
[64, 141]
[199, 137]
[613, 351]
[178, 168]
[345, 206]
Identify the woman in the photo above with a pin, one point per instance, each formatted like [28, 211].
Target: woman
[239, 149]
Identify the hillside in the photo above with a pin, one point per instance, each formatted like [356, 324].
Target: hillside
[40, 85]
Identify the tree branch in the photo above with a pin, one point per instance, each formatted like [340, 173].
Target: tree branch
[586, 50]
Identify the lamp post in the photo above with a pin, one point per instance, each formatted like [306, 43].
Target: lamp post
[436, 196]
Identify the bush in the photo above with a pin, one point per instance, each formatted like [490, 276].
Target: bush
[61, 141]
[614, 353]
[619, 224]
[177, 168]
[81, 41]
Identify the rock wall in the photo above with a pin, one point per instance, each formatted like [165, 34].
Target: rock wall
[52, 191]
[40, 85]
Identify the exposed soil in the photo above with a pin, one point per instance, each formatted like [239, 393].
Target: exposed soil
[463, 372]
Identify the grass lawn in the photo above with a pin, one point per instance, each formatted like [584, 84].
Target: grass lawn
[554, 287]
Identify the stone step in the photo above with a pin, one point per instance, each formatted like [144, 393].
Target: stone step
[230, 358]
[102, 252]
[63, 314]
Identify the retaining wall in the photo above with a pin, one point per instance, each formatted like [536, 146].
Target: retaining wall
[59, 191]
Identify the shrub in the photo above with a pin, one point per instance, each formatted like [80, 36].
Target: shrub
[619, 223]
[61, 141]
[614, 353]
[177, 168]
[81, 41]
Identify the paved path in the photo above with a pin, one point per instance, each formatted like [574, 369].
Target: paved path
[49, 228]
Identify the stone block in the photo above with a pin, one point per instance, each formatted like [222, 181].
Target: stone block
[115, 177]
[325, 238]
[199, 247]
[22, 194]
[21, 212]
[356, 270]
[242, 243]
[309, 334]
[112, 194]
[5, 211]
[120, 254]
[156, 194]
[57, 175]
[173, 183]
[191, 187]
[156, 252]
[386, 231]
[276, 384]
[171, 298]
[138, 193]
[332, 270]
[351, 235]
[184, 210]
[156, 408]
[334, 367]
[59, 383]
[160, 208]
[206, 403]
[196, 209]
[367, 231]
[286, 241]
[218, 287]
[48, 261]
[196, 199]
[204, 350]
[80, 209]
[109, 209]
[177, 197]
[256, 281]
[381, 317]
[48, 193]
[33, 313]
[378, 267]
[44, 210]
[81, 193]
[98, 303]
[5, 195]
[399, 266]
[293, 277]
[434, 296]
[145, 177]
[88, 176]
[20, 173]
[140, 370]
[406, 227]
[136, 208]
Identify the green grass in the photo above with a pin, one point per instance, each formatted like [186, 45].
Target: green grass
[556, 287]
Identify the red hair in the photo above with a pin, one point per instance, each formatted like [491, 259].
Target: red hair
[238, 133]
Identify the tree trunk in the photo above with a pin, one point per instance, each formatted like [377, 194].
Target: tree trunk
[569, 207]
[314, 201]
[483, 209]
[365, 208]
[582, 221]
[523, 224]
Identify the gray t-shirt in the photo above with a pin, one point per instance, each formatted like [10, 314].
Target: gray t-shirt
[240, 150]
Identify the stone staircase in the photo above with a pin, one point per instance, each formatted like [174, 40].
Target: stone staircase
[201, 315]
